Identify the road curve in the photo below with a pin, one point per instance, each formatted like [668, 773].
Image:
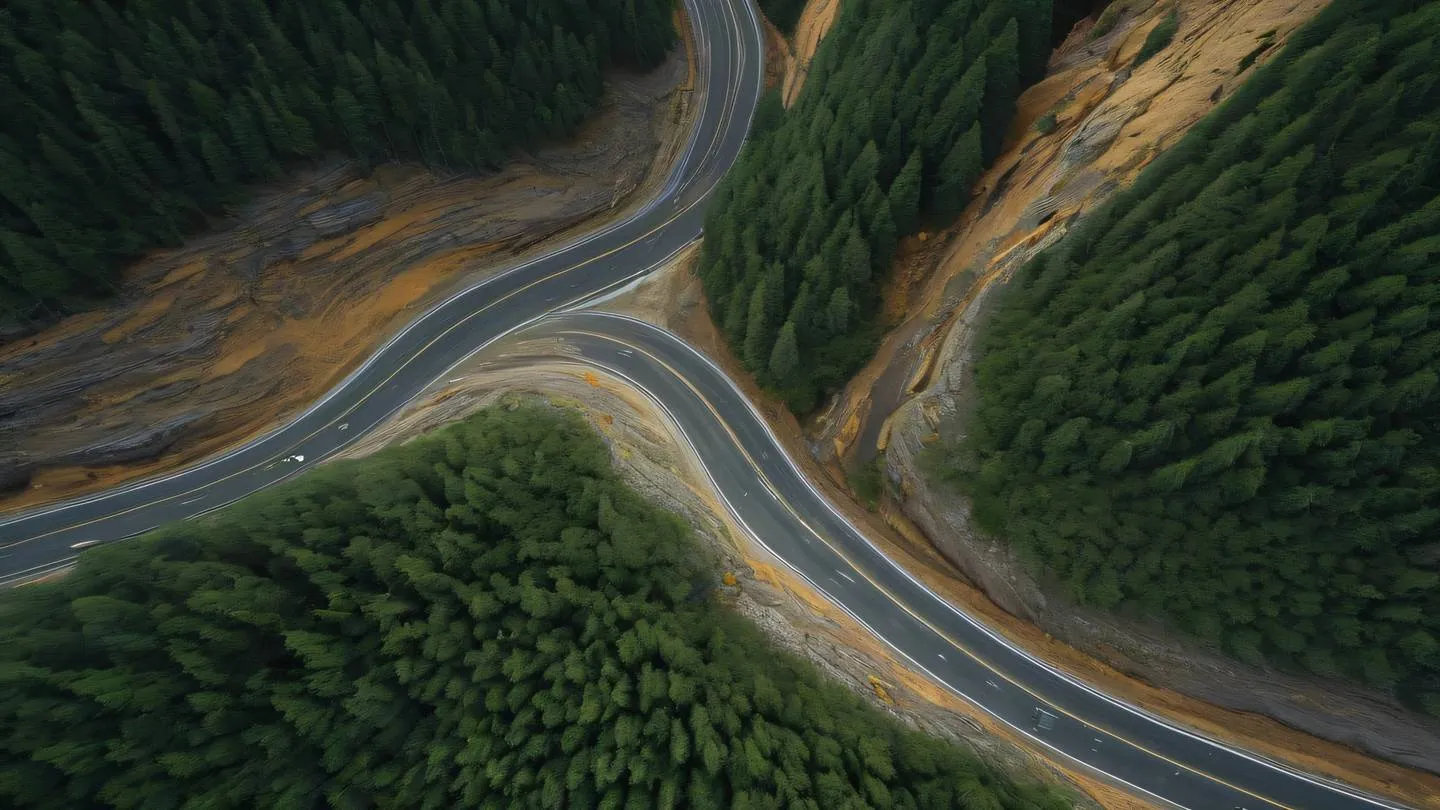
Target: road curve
[750, 470]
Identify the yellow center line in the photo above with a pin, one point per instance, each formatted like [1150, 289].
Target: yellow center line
[901, 604]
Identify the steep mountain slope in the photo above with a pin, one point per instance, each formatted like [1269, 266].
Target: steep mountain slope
[239, 329]
[1216, 402]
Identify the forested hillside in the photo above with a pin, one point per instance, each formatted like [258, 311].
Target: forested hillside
[1217, 402]
[905, 102]
[126, 124]
[486, 617]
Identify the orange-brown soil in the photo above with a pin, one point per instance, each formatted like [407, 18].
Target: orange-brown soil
[777, 54]
[940, 276]
[217, 341]
[814, 24]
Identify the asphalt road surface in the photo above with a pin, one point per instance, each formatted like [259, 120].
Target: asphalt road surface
[745, 462]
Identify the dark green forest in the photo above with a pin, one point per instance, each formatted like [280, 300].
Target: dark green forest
[485, 617]
[126, 125]
[1216, 401]
[906, 101]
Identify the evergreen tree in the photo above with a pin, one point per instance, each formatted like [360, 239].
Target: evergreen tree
[783, 13]
[757, 326]
[905, 194]
[958, 173]
[855, 258]
[837, 311]
[1002, 86]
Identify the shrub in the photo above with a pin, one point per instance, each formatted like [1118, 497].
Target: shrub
[1159, 37]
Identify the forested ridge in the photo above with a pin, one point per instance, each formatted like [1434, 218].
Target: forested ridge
[1216, 401]
[485, 617]
[127, 124]
[905, 102]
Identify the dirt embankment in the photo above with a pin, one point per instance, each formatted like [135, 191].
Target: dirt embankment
[787, 62]
[1110, 122]
[648, 454]
[212, 343]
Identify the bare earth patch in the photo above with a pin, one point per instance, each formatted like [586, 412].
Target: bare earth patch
[237, 331]
[777, 54]
[904, 398]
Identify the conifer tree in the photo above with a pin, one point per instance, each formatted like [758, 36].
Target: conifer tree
[757, 326]
[958, 172]
[837, 311]
[855, 258]
[905, 194]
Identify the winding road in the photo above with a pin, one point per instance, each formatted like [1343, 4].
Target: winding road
[746, 463]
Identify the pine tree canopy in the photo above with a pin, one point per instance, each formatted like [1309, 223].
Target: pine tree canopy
[1218, 400]
[482, 618]
[126, 125]
[904, 104]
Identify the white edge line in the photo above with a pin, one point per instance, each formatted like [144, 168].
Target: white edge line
[16, 577]
[36, 570]
[628, 280]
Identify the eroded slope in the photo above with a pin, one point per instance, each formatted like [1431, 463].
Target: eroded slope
[214, 342]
